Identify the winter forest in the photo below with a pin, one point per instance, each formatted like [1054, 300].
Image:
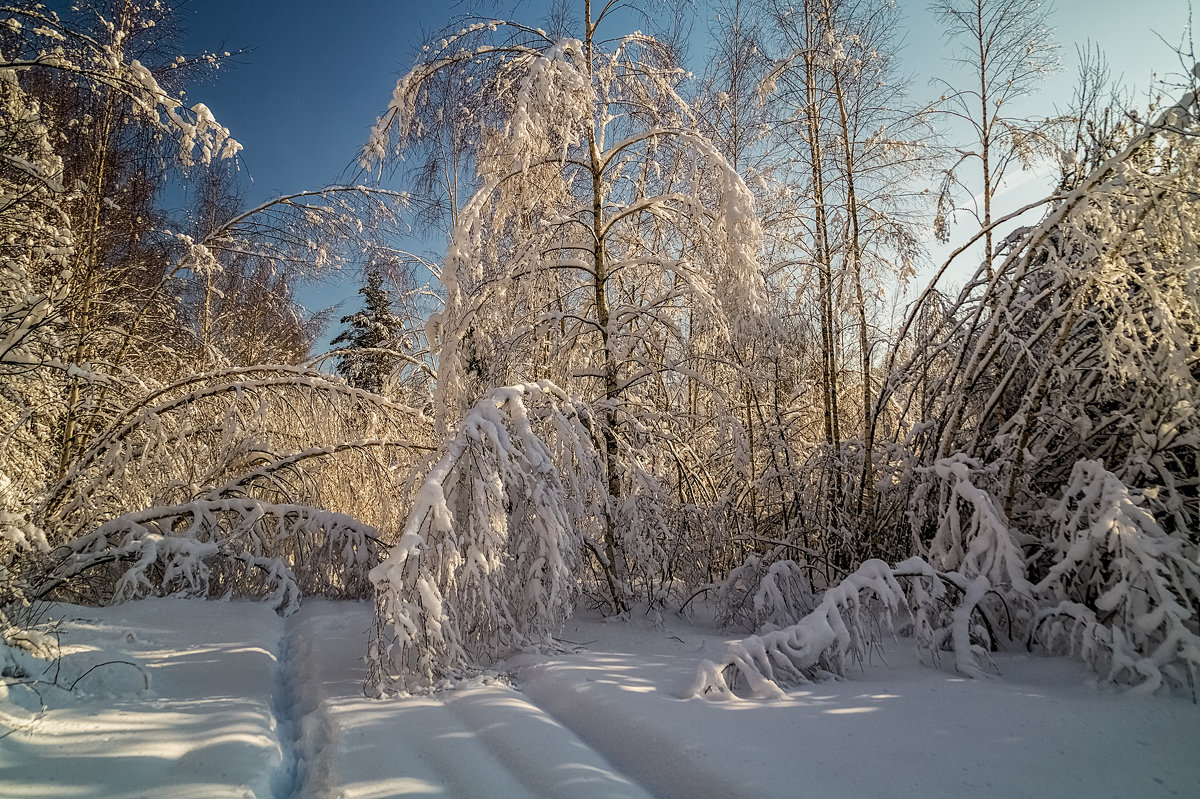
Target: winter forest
[671, 356]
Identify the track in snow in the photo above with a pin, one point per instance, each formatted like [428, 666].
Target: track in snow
[484, 740]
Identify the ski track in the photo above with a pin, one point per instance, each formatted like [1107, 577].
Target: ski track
[286, 780]
[483, 740]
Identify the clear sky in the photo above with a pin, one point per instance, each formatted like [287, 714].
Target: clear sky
[318, 72]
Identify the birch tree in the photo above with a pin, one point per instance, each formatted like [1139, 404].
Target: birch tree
[1005, 49]
[602, 218]
[853, 144]
[43, 246]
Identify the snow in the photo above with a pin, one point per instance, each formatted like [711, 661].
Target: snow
[206, 726]
[227, 699]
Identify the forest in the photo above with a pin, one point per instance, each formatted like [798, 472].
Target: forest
[672, 354]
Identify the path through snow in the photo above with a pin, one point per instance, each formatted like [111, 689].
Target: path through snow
[244, 704]
[487, 740]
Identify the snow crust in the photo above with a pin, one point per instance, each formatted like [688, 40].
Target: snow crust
[227, 699]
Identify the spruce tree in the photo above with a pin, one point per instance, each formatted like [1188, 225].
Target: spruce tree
[370, 338]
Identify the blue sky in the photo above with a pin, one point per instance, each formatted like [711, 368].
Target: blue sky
[318, 72]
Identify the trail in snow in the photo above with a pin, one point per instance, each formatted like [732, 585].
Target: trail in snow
[486, 740]
[616, 703]
[244, 704]
[895, 728]
[290, 774]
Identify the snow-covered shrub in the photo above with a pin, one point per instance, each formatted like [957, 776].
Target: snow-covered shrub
[895, 478]
[239, 478]
[849, 619]
[971, 593]
[784, 595]
[761, 596]
[22, 473]
[1121, 593]
[949, 613]
[488, 560]
[16, 582]
[735, 607]
[836, 520]
[215, 548]
[823, 506]
[652, 537]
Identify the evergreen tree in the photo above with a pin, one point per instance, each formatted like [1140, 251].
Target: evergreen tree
[370, 338]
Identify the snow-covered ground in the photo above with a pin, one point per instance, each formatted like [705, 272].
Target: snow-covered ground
[182, 698]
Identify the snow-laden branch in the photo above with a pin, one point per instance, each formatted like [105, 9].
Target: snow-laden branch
[851, 618]
[844, 624]
[200, 137]
[1121, 594]
[487, 561]
[219, 547]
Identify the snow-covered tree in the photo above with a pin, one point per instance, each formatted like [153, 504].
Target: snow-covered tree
[606, 232]
[1069, 377]
[371, 336]
[43, 238]
[488, 561]
[126, 467]
[35, 247]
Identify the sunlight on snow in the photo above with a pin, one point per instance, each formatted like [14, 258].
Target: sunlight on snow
[400, 786]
